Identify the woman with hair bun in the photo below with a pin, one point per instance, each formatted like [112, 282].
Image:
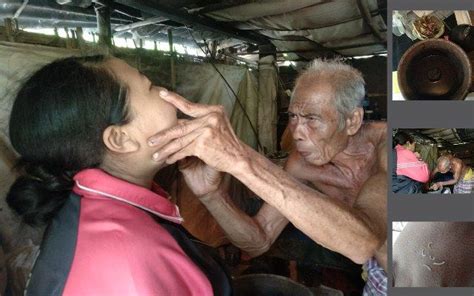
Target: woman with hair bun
[81, 126]
[411, 172]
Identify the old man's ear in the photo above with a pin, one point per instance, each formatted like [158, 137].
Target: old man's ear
[354, 121]
[117, 139]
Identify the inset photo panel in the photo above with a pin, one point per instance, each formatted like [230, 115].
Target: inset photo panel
[433, 54]
[433, 254]
[433, 160]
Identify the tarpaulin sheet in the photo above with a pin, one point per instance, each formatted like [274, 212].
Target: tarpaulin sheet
[335, 25]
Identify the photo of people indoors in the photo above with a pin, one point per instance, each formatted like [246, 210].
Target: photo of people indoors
[193, 147]
[227, 147]
[433, 161]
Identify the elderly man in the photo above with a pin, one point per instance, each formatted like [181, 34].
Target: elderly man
[335, 186]
[463, 176]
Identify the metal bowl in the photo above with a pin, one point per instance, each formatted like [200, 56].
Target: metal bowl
[434, 69]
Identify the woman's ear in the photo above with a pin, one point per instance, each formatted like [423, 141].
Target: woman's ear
[116, 139]
[354, 121]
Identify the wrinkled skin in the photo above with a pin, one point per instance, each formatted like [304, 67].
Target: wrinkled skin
[451, 243]
[458, 169]
[344, 176]
[347, 164]
[335, 163]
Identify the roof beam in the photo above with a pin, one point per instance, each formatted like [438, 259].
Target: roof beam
[364, 11]
[149, 21]
[198, 22]
[222, 5]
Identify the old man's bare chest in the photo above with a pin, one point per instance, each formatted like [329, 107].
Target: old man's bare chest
[343, 180]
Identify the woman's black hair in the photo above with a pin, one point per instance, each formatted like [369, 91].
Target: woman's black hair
[56, 126]
[401, 138]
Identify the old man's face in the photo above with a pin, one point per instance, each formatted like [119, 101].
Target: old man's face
[314, 122]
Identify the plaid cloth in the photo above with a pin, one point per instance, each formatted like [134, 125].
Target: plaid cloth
[466, 185]
[376, 281]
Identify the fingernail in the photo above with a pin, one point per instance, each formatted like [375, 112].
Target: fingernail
[163, 93]
[155, 156]
[151, 142]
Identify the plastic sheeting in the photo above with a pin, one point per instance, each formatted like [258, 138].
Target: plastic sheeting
[336, 25]
[257, 9]
[244, 114]
[17, 62]
[267, 105]
[203, 84]
[429, 154]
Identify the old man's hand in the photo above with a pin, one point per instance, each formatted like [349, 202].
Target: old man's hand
[436, 186]
[208, 136]
[201, 178]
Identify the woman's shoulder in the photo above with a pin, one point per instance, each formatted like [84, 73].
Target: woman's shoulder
[132, 251]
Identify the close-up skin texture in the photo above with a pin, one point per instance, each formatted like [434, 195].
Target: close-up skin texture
[434, 254]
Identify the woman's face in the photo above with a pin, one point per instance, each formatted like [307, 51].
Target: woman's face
[149, 113]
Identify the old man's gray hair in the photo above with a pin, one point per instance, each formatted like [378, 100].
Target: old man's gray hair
[346, 81]
[444, 162]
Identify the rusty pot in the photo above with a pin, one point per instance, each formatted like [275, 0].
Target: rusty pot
[434, 69]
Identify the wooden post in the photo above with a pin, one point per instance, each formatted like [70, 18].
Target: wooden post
[10, 29]
[68, 41]
[103, 23]
[267, 95]
[80, 37]
[74, 42]
[172, 60]
[213, 49]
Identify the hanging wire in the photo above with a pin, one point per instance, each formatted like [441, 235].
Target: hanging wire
[260, 147]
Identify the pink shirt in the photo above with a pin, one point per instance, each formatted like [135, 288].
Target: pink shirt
[408, 165]
[121, 249]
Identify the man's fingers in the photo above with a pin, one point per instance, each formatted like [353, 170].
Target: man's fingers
[186, 152]
[187, 107]
[181, 129]
[176, 145]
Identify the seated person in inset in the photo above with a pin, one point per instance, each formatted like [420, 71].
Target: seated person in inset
[440, 177]
[410, 170]
[434, 254]
[463, 179]
[81, 127]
